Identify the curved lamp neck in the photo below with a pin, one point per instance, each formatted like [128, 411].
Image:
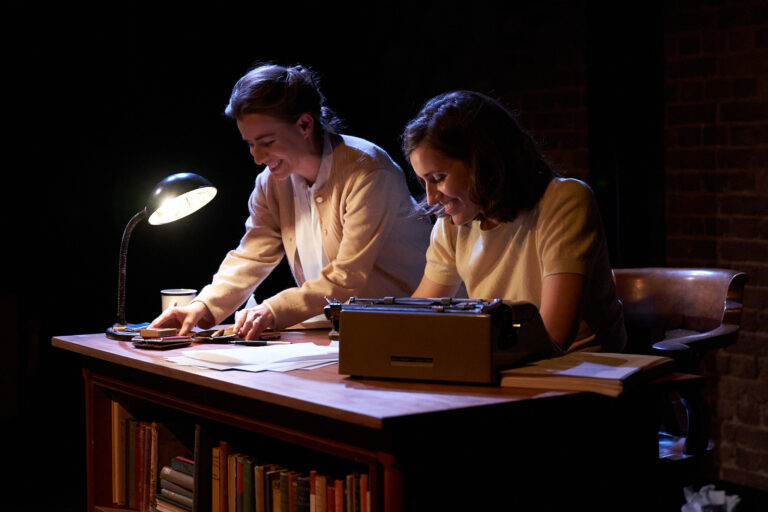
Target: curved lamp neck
[121, 270]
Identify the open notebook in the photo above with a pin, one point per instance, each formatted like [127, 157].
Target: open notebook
[606, 373]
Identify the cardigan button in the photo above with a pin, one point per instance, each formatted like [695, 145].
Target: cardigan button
[319, 199]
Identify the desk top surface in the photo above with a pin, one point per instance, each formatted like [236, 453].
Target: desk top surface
[370, 403]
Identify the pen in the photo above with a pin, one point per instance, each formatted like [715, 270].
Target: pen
[258, 343]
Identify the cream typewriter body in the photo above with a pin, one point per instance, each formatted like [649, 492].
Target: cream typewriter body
[447, 339]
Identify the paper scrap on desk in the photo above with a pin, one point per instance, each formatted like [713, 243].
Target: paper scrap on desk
[280, 358]
[588, 369]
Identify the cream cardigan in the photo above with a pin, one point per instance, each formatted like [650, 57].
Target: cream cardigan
[374, 244]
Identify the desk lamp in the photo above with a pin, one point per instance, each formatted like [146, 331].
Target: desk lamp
[175, 197]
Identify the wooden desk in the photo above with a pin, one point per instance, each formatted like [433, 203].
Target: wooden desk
[425, 445]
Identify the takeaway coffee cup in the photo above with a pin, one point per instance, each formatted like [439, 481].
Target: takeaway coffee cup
[176, 297]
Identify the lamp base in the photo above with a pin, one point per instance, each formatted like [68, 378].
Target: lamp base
[124, 332]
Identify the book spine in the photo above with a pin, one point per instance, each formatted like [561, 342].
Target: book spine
[177, 477]
[119, 420]
[320, 493]
[223, 476]
[130, 469]
[153, 472]
[302, 493]
[340, 499]
[231, 482]
[350, 487]
[330, 495]
[215, 483]
[248, 490]
[146, 461]
[201, 476]
[184, 501]
[313, 491]
[167, 484]
[183, 465]
[285, 492]
[364, 495]
[276, 498]
[239, 483]
[259, 491]
[293, 490]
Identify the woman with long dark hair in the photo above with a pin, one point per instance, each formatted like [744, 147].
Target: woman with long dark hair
[508, 226]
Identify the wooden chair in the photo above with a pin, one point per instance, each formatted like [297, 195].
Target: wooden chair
[682, 313]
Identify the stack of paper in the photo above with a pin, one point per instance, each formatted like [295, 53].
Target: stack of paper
[276, 358]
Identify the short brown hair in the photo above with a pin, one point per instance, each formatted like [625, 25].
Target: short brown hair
[282, 92]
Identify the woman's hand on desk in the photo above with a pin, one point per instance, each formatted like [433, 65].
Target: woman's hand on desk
[184, 317]
[250, 323]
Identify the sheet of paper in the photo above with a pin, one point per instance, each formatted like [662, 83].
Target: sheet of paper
[256, 359]
[599, 371]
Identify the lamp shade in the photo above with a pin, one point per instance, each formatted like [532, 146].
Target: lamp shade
[177, 196]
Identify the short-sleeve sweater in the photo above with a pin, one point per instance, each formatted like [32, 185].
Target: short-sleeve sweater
[563, 233]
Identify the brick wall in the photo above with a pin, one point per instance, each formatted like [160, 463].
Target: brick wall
[540, 73]
[716, 140]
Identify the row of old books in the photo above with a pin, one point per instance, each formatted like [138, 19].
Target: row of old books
[244, 483]
[152, 463]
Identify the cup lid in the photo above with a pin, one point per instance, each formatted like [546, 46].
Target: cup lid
[178, 291]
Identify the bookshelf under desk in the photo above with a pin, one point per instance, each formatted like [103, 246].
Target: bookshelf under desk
[423, 444]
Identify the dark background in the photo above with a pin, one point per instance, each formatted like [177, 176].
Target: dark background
[102, 102]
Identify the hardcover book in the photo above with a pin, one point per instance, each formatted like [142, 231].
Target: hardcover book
[170, 486]
[130, 462]
[183, 464]
[120, 417]
[215, 480]
[176, 498]
[177, 477]
[162, 504]
[606, 373]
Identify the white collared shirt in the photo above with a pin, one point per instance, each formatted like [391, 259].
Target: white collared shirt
[309, 235]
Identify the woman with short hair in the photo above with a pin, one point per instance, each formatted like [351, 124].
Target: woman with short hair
[337, 206]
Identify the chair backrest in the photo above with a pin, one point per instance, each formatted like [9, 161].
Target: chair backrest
[657, 300]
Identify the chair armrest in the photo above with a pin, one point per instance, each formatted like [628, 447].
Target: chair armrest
[721, 336]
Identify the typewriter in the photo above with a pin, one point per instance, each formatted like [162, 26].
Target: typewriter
[445, 339]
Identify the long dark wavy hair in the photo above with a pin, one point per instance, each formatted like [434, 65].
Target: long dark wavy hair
[507, 172]
[282, 92]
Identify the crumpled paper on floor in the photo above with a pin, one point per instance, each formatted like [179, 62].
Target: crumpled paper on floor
[708, 499]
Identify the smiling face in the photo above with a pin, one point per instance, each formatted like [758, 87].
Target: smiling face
[446, 181]
[284, 147]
